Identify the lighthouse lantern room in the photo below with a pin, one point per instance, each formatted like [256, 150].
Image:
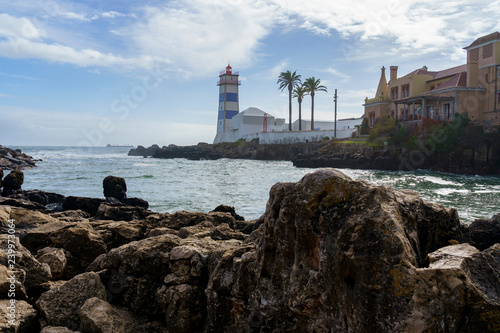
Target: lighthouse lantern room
[228, 98]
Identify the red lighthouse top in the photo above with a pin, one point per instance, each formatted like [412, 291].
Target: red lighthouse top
[229, 70]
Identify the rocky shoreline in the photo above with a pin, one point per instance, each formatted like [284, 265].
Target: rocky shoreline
[11, 159]
[472, 157]
[329, 254]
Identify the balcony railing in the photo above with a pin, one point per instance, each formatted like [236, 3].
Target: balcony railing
[219, 82]
[232, 73]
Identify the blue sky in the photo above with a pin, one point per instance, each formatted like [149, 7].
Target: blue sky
[143, 72]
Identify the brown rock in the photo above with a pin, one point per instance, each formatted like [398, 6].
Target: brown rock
[98, 316]
[34, 272]
[61, 306]
[55, 258]
[19, 316]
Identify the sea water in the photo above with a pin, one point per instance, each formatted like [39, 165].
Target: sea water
[179, 184]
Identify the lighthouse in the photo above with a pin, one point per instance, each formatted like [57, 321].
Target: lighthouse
[228, 99]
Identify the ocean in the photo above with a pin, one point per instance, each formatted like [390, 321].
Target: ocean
[178, 184]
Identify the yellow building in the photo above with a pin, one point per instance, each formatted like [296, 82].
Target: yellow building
[473, 88]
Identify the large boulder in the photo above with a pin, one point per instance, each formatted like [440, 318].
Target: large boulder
[12, 182]
[30, 271]
[61, 306]
[98, 316]
[333, 254]
[114, 187]
[1, 177]
[80, 240]
[458, 292]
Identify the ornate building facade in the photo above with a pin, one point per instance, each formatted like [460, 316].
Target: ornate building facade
[472, 88]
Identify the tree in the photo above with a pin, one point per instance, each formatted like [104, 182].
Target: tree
[299, 93]
[289, 80]
[312, 85]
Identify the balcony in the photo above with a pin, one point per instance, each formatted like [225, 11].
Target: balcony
[232, 73]
[224, 81]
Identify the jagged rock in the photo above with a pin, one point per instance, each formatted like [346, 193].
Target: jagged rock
[43, 198]
[120, 213]
[35, 273]
[335, 254]
[24, 219]
[22, 203]
[1, 177]
[61, 306]
[114, 187]
[200, 230]
[55, 258]
[24, 318]
[12, 182]
[483, 233]
[98, 316]
[176, 220]
[57, 329]
[135, 269]
[117, 233]
[458, 292]
[224, 232]
[72, 216]
[89, 205]
[79, 239]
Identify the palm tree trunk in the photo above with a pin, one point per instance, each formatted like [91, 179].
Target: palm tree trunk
[300, 116]
[312, 112]
[290, 109]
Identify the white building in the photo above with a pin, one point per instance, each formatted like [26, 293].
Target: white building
[254, 123]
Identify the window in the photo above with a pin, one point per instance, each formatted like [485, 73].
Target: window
[498, 96]
[405, 90]
[486, 78]
[433, 87]
[394, 93]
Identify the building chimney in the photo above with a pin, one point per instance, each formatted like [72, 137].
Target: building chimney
[425, 68]
[394, 73]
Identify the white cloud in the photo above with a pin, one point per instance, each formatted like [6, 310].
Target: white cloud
[200, 35]
[13, 27]
[336, 72]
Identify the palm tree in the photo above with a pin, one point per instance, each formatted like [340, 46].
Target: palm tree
[299, 93]
[289, 80]
[312, 85]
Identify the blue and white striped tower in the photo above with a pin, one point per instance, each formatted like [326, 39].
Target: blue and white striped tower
[228, 99]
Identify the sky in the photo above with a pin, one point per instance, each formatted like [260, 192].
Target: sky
[88, 73]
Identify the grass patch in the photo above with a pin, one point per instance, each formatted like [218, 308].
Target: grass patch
[362, 142]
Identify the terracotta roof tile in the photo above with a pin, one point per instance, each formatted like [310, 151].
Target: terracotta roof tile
[485, 39]
[458, 80]
[450, 72]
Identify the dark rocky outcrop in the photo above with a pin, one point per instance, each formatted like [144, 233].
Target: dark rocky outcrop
[11, 159]
[142, 151]
[329, 254]
[483, 233]
[12, 182]
[114, 187]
